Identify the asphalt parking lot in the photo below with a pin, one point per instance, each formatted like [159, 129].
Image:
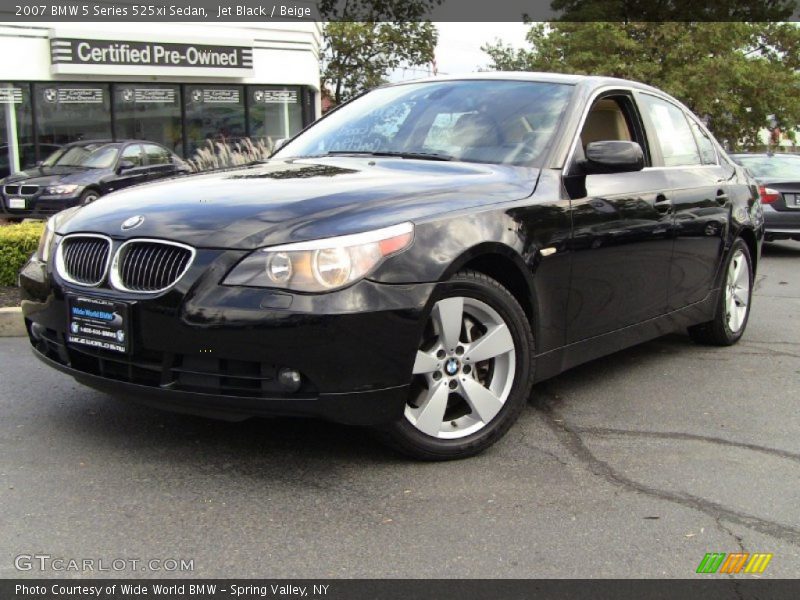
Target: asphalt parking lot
[635, 465]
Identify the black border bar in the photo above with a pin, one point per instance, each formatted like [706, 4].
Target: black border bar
[707, 587]
[15, 11]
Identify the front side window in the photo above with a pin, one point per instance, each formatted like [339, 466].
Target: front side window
[503, 122]
[675, 138]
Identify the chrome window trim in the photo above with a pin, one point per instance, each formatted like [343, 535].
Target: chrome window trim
[61, 267]
[634, 92]
[589, 103]
[692, 119]
[671, 167]
[115, 279]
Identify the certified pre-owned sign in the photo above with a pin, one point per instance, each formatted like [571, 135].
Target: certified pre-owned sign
[95, 55]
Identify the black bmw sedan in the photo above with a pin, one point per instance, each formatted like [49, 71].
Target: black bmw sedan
[81, 172]
[412, 262]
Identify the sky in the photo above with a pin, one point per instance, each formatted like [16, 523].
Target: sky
[459, 48]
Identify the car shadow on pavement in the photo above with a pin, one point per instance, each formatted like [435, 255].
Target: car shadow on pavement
[781, 249]
[103, 425]
[608, 367]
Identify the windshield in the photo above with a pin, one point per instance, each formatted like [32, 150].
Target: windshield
[508, 122]
[772, 167]
[91, 156]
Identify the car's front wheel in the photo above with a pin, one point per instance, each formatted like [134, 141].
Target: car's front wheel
[472, 373]
[89, 196]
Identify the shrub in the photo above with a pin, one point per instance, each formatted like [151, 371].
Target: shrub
[17, 243]
[220, 155]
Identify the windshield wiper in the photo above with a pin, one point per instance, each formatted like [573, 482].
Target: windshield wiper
[412, 155]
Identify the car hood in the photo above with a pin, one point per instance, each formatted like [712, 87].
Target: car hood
[296, 200]
[42, 176]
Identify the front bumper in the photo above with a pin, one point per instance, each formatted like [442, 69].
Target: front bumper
[214, 350]
[360, 408]
[39, 206]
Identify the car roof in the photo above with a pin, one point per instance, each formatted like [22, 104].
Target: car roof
[763, 154]
[110, 142]
[590, 81]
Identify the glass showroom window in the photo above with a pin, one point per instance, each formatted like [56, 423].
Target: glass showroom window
[275, 112]
[214, 113]
[149, 112]
[70, 112]
[15, 123]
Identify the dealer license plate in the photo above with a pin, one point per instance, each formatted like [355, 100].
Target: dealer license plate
[99, 323]
[16, 203]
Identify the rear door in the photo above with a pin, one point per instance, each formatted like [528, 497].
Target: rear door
[622, 224]
[701, 197]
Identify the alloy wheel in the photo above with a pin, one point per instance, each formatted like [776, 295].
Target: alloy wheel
[737, 291]
[463, 371]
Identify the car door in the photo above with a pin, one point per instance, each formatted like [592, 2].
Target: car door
[621, 226]
[131, 168]
[700, 197]
[159, 162]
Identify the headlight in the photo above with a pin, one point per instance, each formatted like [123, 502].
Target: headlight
[63, 189]
[321, 265]
[46, 241]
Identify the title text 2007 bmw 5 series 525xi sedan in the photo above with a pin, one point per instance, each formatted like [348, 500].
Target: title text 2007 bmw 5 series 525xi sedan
[412, 262]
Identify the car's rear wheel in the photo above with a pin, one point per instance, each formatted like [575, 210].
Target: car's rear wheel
[472, 372]
[733, 308]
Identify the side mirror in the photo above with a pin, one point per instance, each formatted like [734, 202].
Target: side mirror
[613, 157]
[125, 165]
[39, 163]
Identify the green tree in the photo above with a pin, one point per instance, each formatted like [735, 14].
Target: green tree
[738, 75]
[366, 39]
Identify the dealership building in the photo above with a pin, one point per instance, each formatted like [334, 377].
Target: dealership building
[173, 83]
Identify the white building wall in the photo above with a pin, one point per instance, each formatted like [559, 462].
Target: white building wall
[283, 54]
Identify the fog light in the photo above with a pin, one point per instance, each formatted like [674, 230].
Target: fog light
[37, 331]
[289, 379]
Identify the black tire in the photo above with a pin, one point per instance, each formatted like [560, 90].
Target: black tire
[88, 197]
[409, 440]
[717, 331]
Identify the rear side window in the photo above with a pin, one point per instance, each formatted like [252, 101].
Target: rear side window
[133, 154]
[156, 155]
[675, 138]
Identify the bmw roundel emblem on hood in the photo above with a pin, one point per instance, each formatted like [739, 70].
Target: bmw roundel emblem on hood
[132, 223]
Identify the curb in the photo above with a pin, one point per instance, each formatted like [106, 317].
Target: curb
[11, 322]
